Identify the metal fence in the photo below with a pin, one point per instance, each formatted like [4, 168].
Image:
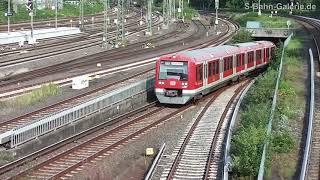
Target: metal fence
[307, 148]
[32, 130]
[274, 103]
[227, 158]
[155, 162]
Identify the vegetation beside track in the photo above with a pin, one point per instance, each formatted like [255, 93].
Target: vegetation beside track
[248, 139]
[266, 21]
[284, 152]
[5, 157]
[242, 36]
[250, 135]
[90, 7]
[35, 96]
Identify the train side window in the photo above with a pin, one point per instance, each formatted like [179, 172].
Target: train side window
[239, 63]
[210, 68]
[199, 73]
[250, 56]
[216, 67]
[242, 58]
[228, 64]
[258, 55]
[267, 52]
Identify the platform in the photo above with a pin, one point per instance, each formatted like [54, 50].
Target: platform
[22, 36]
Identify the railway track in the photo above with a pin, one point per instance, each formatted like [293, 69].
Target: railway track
[61, 105]
[109, 56]
[95, 146]
[51, 22]
[74, 164]
[32, 116]
[313, 161]
[199, 153]
[60, 48]
[89, 39]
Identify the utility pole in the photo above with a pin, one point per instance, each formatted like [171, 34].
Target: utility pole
[217, 7]
[174, 9]
[105, 25]
[259, 12]
[8, 15]
[164, 12]
[291, 7]
[56, 14]
[29, 6]
[149, 18]
[180, 10]
[170, 11]
[81, 14]
[120, 21]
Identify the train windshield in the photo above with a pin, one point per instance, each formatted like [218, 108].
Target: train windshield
[173, 70]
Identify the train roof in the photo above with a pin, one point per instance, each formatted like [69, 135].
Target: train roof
[199, 55]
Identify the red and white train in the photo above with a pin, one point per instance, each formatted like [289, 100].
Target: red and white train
[191, 74]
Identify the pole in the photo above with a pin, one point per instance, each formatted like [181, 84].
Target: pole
[122, 20]
[32, 24]
[259, 12]
[56, 14]
[216, 22]
[81, 15]
[9, 12]
[105, 25]
[174, 10]
[149, 18]
[182, 10]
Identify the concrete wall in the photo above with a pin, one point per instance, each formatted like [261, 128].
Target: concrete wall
[106, 115]
[271, 32]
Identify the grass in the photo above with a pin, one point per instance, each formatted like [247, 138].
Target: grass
[33, 97]
[289, 114]
[250, 135]
[266, 21]
[5, 157]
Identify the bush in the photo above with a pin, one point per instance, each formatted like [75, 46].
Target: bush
[246, 147]
[242, 36]
[282, 141]
[266, 21]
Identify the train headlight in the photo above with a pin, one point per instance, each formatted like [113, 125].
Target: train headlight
[160, 82]
[184, 84]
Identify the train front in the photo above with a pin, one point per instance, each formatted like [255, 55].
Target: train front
[172, 80]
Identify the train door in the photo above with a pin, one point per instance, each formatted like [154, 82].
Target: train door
[205, 73]
[254, 58]
[221, 64]
[234, 63]
[245, 60]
